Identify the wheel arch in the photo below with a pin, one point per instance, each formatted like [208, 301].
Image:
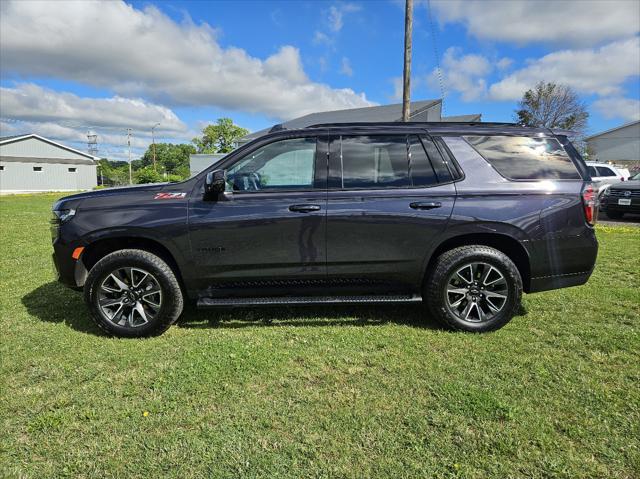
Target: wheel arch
[101, 247]
[502, 242]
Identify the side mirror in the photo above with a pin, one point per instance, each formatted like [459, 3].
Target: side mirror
[214, 184]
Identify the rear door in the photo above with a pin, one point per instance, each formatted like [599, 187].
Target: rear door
[387, 201]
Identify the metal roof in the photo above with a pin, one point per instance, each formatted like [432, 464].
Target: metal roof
[381, 113]
[15, 138]
[612, 129]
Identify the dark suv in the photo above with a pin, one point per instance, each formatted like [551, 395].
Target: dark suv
[462, 216]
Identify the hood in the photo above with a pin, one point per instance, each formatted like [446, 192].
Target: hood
[125, 193]
[633, 185]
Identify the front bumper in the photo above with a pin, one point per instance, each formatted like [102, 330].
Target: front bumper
[612, 203]
[69, 271]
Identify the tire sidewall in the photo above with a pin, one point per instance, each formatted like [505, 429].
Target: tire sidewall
[171, 305]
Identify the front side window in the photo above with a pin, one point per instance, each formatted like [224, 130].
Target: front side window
[525, 158]
[281, 165]
[592, 171]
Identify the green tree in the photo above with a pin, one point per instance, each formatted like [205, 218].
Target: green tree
[113, 173]
[552, 106]
[220, 137]
[170, 158]
[147, 175]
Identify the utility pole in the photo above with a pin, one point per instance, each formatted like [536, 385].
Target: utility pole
[129, 143]
[406, 74]
[153, 140]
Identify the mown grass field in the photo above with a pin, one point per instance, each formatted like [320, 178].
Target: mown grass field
[319, 392]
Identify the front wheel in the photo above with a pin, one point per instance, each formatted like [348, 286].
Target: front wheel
[133, 293]
[473, 288]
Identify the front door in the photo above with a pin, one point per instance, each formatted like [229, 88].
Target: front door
[387, 201]
[268, 229]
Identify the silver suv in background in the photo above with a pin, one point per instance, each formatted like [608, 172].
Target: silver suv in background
[604, 175]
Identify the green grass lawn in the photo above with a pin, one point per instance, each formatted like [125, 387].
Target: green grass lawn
[319, 392]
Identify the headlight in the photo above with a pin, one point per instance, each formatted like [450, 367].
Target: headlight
[59, 217]
[63, 215]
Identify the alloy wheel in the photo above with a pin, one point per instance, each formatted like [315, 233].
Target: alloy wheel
[476, 292]
[130, 297]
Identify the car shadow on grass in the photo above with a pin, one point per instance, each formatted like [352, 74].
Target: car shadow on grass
[55, 303]
[306, 316]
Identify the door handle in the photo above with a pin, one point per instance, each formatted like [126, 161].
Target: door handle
[427, 205]
[304, 208]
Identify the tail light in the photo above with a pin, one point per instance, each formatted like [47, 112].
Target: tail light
[590, 202]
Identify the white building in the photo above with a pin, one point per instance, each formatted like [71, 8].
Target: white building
[620, 145]
[31, 163]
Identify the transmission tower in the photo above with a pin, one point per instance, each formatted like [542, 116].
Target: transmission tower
[92, 143]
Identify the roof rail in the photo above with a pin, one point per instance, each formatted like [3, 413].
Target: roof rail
[373, 124]
[277, 127]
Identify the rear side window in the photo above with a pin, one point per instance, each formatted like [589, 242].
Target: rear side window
[604, 171]
[374, 161]
[525, 158]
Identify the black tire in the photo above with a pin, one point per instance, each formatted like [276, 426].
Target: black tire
[448, 264]
[614, 215]
[170, 299]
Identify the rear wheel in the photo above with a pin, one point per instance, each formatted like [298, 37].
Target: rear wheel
[474, 288]
[133, 293]
[614, 215]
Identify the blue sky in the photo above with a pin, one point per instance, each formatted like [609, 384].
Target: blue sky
[68, 67]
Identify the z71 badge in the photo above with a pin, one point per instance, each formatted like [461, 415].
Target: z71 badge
[169, 196]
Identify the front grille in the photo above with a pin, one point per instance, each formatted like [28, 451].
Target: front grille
[620, 193]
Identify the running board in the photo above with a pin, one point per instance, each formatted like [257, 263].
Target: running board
[305, 300]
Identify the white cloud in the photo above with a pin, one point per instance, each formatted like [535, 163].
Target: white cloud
[397, 89]
[346, 68]
[335, 16]
[29, 102]
[145, 53]
[504, 63]
[463, 73]
[320, 38]
[599, 71]
[627, 109]
[579, 22]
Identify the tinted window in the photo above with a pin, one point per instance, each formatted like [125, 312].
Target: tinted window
[437, 161]
[374, 161]
[604, 171]
[524, 158]
[285, 164]
[592, 171]
[421, 171]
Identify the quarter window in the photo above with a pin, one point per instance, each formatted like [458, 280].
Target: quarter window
[525, 158]
[421, 170]
[282, 165]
